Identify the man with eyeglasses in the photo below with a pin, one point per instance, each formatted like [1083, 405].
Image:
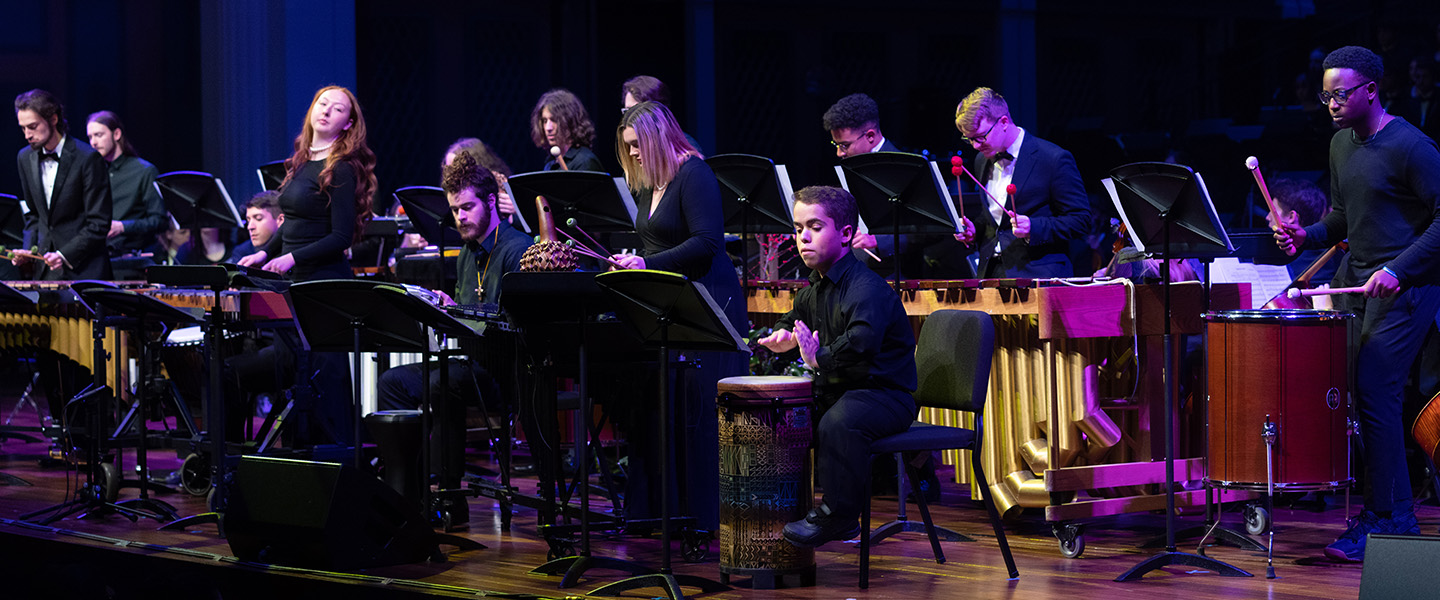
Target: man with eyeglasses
[854, 126]
[1050, 206]
[1384, 196]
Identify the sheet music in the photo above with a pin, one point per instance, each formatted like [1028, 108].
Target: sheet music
[1266, 281]
[945, 192]
[519, 219]
[230, 204]
[840, 172]
[625, 197]
[1109, 185]
[787, 190]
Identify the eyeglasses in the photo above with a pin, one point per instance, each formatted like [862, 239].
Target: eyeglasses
[845, 146]
[980, 139]
[1341, 96]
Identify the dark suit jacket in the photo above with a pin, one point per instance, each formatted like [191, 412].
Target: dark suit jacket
[888, 146]
[77, 218]
[1049, 191]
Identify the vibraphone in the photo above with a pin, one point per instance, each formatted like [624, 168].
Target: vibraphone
[62, 324]
[1056, 351]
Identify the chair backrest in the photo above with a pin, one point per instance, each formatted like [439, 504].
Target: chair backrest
[952, 360]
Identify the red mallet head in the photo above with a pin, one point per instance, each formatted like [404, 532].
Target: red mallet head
[957, 171]
[1010, 189]
[957, 161]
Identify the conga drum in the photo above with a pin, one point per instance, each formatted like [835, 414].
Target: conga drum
[766, 426]
[1284, 371]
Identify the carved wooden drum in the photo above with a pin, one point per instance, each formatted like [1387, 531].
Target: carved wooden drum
[766, 426]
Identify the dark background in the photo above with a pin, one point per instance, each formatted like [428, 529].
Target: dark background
[222, 87]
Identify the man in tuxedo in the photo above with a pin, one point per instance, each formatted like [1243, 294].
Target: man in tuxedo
[1030, 237]
[64, 184]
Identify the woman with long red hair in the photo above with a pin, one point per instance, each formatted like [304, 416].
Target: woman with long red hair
[327, 192]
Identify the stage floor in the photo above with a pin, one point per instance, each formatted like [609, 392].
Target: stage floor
[112, 556]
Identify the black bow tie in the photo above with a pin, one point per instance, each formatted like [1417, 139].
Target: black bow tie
[1003, 155]
[49, 156]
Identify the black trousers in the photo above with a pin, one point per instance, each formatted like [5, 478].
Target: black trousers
[843, 438]
[1386, 337]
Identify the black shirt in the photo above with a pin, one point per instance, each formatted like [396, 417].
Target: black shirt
[135, 202]
[865, 338]
[502, 250]
[1385, 198]
[319, 223]
[579, 158]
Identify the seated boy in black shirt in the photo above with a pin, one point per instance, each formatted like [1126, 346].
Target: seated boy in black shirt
[851, 330]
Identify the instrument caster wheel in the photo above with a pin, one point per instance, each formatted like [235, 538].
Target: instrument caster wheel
[1257, 519]
[695, 547]
[1072, 539]
[109, 482]
[195, 475]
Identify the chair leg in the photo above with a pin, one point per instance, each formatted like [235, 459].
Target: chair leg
[983, 484]
[924, 512]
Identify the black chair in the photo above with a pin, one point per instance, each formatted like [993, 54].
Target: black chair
[952, 360]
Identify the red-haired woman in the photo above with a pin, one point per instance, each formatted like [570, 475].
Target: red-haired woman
[328, 189]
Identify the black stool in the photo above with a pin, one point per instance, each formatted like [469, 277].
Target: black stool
[398, 437]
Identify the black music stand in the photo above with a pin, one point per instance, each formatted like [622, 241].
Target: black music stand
[216, 279]
[271, 174]
[95, 495]
[541, 302]
[365, 316]
[139, 313]
[429, 213]
[593, 199]
[1169, 215]
[198, 200]
[669, 312]
[13, 300]
[902, 192]
[755, 198]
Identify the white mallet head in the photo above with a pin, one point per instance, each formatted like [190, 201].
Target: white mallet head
[1293, 293]
[1252, 163]
[555, 151]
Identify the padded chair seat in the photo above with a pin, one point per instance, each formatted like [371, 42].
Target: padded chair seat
[924, 436]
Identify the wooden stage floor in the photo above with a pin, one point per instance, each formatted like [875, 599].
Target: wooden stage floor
[110, 556]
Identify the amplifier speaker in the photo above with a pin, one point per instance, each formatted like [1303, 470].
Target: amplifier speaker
[1400, 566]
[322, 515]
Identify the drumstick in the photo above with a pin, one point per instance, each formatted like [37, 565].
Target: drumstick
[27, 254]
[1010, 191]
[571, 222]
[581, 249]
[1294, 293]
[1253, 164]
[555, 152]
[958, 162]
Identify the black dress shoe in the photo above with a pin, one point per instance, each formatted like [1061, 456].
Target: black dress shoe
[820, 527]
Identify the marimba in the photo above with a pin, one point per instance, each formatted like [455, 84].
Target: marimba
[1062, 418]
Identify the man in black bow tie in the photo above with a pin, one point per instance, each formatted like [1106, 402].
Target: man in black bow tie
[1030, 236]
[66, 191]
